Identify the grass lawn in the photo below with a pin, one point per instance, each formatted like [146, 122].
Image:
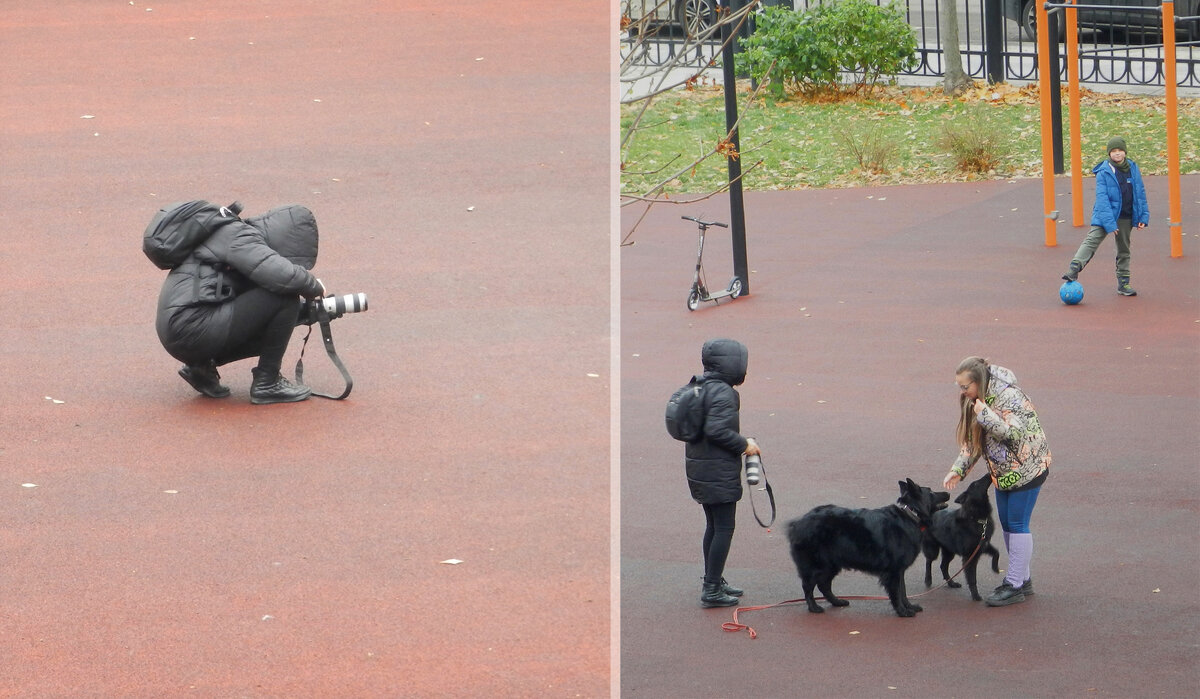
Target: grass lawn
[899, 132]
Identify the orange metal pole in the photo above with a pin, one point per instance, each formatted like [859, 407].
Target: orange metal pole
[1043, 42]
[1073, 95]
[1174, 222]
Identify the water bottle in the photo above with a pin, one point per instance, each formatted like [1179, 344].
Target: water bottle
[753, 469]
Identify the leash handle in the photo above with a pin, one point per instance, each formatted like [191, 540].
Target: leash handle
[770, 496]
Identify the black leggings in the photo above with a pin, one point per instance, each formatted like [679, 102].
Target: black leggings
[718, 535]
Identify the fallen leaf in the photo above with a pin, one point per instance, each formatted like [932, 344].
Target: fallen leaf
[452, 561]
[29, 485]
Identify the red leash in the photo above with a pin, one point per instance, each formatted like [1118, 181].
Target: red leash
[736, 625]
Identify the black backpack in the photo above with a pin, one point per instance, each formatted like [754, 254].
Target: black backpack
[685, 411]
[176, 230]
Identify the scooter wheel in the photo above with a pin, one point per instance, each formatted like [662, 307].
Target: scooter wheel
[694, 300]
[735, 287]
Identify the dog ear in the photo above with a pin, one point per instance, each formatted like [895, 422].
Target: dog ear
[962, 497]
[904, 487]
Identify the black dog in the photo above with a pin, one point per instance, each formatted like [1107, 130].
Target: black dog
[960, 532]
[883, 541]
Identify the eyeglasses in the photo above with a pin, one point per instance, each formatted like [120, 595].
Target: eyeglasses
[962, 388]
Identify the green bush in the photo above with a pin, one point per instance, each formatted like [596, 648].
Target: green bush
[814, 50]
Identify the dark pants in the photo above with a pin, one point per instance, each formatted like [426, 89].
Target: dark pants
[258, 323]
[718, 535]
[1096, 236]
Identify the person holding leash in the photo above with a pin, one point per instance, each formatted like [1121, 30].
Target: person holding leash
[1120, 205]
[998, 422]
[713, 463]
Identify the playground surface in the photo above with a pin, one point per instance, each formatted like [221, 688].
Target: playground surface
[862, 303]
[156, 543]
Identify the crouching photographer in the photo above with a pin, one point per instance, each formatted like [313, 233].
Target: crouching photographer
[236, 290]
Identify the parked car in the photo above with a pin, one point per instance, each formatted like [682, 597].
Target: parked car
[693, 16]
[1129, 22]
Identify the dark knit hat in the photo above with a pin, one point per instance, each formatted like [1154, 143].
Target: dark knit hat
[1115, 144]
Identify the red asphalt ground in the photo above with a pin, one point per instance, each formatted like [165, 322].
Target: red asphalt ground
[457, 158]
[863, 302]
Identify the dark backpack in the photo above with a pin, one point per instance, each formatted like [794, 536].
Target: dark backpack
[176, 230]
[685, 411]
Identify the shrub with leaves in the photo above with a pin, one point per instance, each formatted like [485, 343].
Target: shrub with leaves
[814, 50]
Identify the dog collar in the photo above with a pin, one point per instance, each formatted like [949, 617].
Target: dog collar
[908, 511]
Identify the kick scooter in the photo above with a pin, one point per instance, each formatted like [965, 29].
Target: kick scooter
[699, 290]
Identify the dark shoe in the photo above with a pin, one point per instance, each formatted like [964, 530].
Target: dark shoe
[1005, 595]
[713, 596]
[1123, 287]
[730, 589]
[275, 389]
[1073, 274]
[1027, 588]
[205, 379]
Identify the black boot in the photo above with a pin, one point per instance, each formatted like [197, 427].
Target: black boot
[730, 589]
[273, 388]
[713, 596]
[205, 379]
[1073, 273]
[1123, 287]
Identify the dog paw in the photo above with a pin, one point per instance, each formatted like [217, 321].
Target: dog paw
[915, 607]
[815, 609]
[951, 583]
[905, 613]
[839, 602]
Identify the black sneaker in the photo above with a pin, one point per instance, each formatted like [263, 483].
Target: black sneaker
[267, 389]
[1123, 287]
[714, 596]
[205, 379]
[1073, 273]
[1027, 588]
[1005, 595]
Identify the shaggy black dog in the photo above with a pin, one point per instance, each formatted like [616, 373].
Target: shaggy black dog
[960, 532]
[882, 541]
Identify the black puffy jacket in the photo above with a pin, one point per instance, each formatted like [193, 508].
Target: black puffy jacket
[273, 251]
[714, 463]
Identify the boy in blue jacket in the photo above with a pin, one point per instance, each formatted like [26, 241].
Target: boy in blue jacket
[1120, 205]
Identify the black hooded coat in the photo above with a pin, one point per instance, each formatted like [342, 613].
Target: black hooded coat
[714, 462]
[274, 251]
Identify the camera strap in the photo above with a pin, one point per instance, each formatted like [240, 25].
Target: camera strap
[327, 337]
[770, 497]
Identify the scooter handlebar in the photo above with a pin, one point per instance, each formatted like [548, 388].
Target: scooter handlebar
[705, 223]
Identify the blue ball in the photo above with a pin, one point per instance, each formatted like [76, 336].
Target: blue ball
[1071, 293]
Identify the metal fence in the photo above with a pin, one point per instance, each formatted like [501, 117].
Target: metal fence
[1116, 48]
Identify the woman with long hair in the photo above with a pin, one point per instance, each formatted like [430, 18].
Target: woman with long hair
[998, 422]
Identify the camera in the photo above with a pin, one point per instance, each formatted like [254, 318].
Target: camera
[338, 306]
[753, 469]
[330, 307]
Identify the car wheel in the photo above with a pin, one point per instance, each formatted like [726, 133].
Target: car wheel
[695, 16]
[1029, 21]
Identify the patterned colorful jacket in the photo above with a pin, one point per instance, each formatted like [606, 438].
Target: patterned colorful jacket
[1014, 444]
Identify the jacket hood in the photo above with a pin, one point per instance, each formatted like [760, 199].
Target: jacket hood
[725, 360]
[1000, 379]
[290, 231]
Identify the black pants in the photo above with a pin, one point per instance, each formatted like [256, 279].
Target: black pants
[718, 535]
[258, 323]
